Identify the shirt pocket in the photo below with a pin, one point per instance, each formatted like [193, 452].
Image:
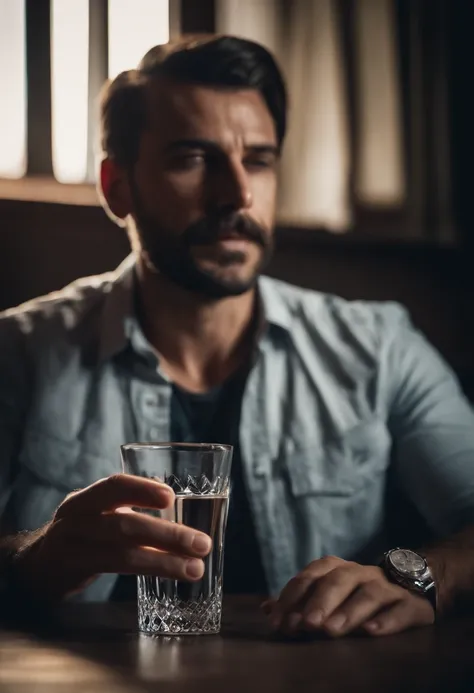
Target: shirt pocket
[342, 466]
[62, 464]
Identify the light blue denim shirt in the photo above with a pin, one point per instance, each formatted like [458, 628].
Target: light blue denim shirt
[340, 391]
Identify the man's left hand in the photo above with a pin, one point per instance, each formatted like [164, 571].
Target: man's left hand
[338, 597]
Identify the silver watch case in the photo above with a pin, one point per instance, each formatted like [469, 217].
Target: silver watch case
[410, 570]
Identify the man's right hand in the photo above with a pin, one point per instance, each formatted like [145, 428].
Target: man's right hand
[95, 531]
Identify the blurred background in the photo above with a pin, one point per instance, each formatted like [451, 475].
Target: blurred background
[374, 198]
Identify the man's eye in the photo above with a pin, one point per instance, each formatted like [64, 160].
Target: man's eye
[189, 160]
[194, 157]
[259, 163]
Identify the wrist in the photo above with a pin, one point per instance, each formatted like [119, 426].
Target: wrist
[16, 577]
[447, 595]
[411, 571]
[9, 549]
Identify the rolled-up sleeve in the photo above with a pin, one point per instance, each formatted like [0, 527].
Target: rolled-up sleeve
[14, 395]
[432, 426]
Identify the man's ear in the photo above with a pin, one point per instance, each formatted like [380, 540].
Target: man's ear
[115, 190]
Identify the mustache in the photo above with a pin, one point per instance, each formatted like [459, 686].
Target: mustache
[210, 229]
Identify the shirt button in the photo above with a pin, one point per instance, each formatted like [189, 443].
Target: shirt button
[154, 434]
[261, 465]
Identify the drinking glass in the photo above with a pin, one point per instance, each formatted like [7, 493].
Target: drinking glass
[199, 474]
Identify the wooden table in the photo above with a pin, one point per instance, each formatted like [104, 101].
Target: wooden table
[95, 647]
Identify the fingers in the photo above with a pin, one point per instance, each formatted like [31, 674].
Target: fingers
[135, 529]
[338, 597]
[116, 491]
[71, 553]
[95, 531]
[83, 562]
[408, 613]
[140, 560]
[297, 590]
[368, 600]
[335, 591]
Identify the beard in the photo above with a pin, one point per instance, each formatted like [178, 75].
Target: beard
[171, 254]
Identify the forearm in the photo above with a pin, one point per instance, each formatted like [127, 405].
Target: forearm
[11, 547]
[452, 564]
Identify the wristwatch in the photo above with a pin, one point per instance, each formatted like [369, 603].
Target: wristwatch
[410, 570]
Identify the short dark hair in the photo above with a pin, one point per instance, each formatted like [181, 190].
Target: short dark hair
[223, 61]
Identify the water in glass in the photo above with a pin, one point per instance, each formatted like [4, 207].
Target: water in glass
[173, 607]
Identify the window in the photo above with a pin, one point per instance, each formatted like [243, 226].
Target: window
[134, 27]
[380, 173]
[13, 84]
[70, 89]
[68, 48]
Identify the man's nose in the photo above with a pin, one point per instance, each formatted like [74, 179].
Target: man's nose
[232, 189]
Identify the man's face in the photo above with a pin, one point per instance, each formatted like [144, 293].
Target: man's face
[203, 189]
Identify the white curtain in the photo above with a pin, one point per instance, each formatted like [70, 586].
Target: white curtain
[316, 162]
[314, 170]
[12, 88]
[379, 176]
[315, 166]
[257, 20]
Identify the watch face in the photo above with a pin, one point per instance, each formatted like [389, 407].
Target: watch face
[407, 562]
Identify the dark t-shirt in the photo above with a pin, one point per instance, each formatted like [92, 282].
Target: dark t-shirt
[214, 417]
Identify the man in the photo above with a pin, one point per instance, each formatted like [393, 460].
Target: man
[321, 398]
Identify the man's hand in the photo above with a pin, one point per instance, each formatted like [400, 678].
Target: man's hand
[95, 531]
[337, 597]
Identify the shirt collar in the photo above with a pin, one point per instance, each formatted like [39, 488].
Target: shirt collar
[118, 307]
[118, 320]
[276, 309]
